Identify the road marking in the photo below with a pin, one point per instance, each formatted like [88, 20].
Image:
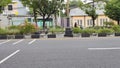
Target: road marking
[4, 42]
[9, 56]
[115, 48]
[32, 41]
[18, 41]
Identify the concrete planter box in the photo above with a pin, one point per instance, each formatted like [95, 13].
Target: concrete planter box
[117, 34]
[102, 34]
[76, 35]
[10, 36]
[85, 35]
[35, 36]
[51, 35]
[19, 36]
[3, 36]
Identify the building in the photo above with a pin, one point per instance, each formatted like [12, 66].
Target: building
[13, 14]
[79, 17]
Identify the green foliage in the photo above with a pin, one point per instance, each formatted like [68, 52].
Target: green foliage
[90, 11]
[13, 27]
[116, 28]
[3, 32]
[105, 30]
[45, 8]
[89, 31]
[13, 31]
[56, 30]
[76, 30]
[109, 24]
[75, 3]
[112, 10]
[27, 28]
[97, 27]
[4, 3]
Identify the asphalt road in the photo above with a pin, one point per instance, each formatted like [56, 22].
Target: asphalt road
[60, 53]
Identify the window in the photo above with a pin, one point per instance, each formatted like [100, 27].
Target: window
[106, 20]
[10, 7]
[89, 22]
[80, 22]
[101, 21]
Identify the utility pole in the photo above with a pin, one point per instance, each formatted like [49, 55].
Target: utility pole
[67, 8]
[68, 20]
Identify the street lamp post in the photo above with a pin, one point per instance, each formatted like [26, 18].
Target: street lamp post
[68, 19]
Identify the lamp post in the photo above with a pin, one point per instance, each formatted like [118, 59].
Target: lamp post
[68, 19]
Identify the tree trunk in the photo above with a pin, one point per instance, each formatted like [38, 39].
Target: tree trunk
[93, 22]
[118, 22]
[35, 16]
[55, 20]
[43, 22]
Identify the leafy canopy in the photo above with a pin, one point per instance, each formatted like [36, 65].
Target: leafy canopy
[4, 3]
[112, 10]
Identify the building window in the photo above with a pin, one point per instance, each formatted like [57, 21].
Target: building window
[100, 22]
[106, 20]
[91, 22]
[88, 22]
[10, 7]
[80, 22]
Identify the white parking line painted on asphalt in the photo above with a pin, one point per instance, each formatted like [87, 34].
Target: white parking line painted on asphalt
[32, 41]
[9, 56]
[4, 42]
[18, 41]
[114, 48]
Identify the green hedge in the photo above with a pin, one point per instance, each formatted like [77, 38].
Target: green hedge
[76, 30]
[89, 31]
[106, 30]
[116, 28]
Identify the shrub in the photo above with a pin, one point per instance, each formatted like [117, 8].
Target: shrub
[106, 30]
[116, 28]
[57, 30]
[13, 27]
[89, 31]
[3, 32]
[109, 24]
[13, 31]
[76, 30]
[27, 28]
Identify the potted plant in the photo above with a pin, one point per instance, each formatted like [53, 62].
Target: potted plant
[14, 32]
[104, 32]
[52, 34]
[3, 34]
[85, 33]
[116, 29]
[76, 31]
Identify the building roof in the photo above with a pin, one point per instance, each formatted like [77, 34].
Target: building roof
[79, 12]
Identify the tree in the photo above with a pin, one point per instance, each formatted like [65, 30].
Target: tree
[32, 6]
[90, 9]
[73, 4]
[44, 8]
[112, 10]
[4, 3]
